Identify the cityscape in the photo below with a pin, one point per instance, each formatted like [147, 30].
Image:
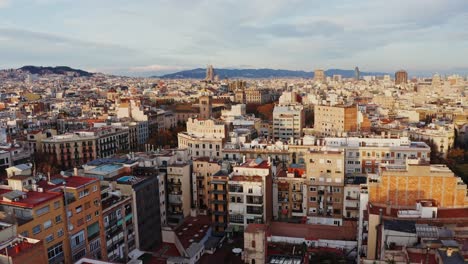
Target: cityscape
[217, 156]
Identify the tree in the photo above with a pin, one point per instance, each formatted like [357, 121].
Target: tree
[45, 162]
[266, 111]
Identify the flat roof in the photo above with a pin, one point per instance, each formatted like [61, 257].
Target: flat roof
[32, 200]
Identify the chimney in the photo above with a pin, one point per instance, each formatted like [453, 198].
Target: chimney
[75, 171]
[48, 176]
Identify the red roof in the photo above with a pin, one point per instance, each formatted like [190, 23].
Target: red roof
[71, 182]
[32, 199]
[193, 230]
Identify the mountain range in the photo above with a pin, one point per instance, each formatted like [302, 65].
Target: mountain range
[200, 73]
[63, 70]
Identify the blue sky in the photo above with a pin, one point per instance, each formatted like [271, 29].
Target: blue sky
[144, 37]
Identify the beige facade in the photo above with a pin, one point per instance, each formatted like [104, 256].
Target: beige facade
[325, 172]
[288, 121]
[255, 244]
[204, 138]
[336, 120]
[203, 170]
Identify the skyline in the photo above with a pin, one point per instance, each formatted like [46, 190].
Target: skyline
[157, 37]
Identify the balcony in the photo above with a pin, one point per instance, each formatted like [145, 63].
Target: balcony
[175, 199]
[218, 191]
[351, 198]
[321, 192]
[236, 189]
[254, 200]
[352, 208]
[220, 212]
[255, 210]
[219, 201]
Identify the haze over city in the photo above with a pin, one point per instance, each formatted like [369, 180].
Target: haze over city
[142, 38]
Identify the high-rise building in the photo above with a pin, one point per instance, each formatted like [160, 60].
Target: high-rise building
[319, 75]
[357, 73]
[401, 76]
[210, 74]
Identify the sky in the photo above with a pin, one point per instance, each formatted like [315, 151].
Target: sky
[147, 37]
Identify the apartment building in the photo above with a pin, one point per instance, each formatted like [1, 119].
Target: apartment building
[338, 120]
[144, 193]
[290, 193]
[404, 185]
[179, 192]
[257, 96]
[71, 150]
[203, 170]
[364, 155]
[218, 201]
[250, 193]
[111, 140]
[288, 121]
[119, 225]
[82, 202]
[39, 215]
[204, 138]
[325, 172]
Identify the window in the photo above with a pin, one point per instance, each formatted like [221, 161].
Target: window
[96, 202]
[25, 234]
[80, 222]
[337, 190]
[42, 210]
[88, 217]
[94, 188]
[55, 252]
[47, 224]
[78, 239]
[87, 205]
[96, 213]
[253, 243]
[56, 204]
[49, 238]
[313, 199]
[36, 229]
[79, 209]
[60, 233]
[313, 189]
[337, 223]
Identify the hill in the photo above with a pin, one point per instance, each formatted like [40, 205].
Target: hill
[63, 70]
[199, 73]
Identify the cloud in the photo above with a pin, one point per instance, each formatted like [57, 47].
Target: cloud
[156, 68]
[4, 3]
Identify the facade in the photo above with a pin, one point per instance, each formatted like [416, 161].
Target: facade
[71, 150]
[288, 121]
[206, 106]
[117, 212]
[82, 203]
[179, 194]
[336, 120]
[325, 172]
[364, 155]
[401, 77]
[250, 193]
[204, 138]
[290, 193]
[218, 202]
[40, 215]
[319, 75]
[257, 96]
[145, 214]
[404, 185]
[203, 170]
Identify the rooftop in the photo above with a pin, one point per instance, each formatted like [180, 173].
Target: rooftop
[30, 200]
[193, 230]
